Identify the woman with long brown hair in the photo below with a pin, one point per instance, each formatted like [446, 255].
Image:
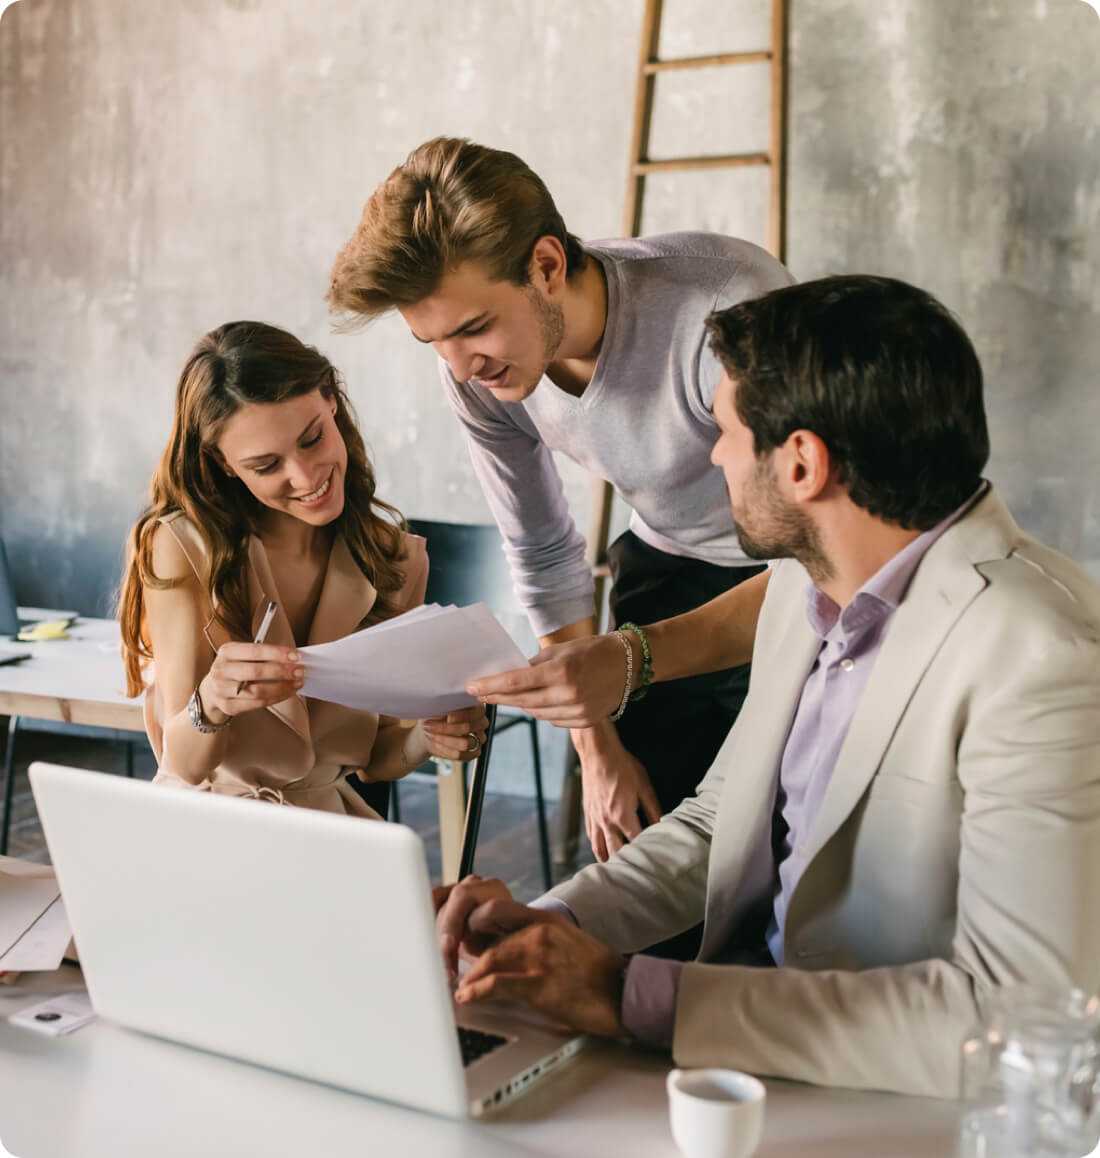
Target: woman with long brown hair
[265, 493]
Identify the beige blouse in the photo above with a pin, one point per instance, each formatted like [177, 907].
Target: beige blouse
[293, 752]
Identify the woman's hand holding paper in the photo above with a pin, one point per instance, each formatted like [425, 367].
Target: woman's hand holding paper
[457, 736]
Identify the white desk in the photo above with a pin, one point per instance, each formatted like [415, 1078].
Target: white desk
[77, 680]
[106, 1092]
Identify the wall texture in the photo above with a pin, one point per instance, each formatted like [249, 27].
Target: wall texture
[167, 167]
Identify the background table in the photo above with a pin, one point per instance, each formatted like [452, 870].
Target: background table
[106, 1092]
[71, 684]
[77, 680]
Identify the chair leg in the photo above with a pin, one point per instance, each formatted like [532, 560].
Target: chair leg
[544, 836]
[395, 804]
[569, 811]
[451, 790]
[9, 784]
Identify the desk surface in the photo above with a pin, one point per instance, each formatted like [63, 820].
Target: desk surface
[106, 1092]
[78, 680]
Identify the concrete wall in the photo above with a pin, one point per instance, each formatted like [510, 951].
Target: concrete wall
[166, 167]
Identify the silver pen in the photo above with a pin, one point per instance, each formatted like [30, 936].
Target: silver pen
[261, 634]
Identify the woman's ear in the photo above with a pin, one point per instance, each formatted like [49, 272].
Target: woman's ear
[220, 462]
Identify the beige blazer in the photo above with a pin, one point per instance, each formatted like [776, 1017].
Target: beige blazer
[295, 751]
[957, 847]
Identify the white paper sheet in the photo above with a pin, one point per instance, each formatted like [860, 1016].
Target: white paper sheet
[23, 899]
[43, 945]
[414, 665]
[27, 942]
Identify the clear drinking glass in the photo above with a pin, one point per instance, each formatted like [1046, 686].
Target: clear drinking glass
[1030, 1081]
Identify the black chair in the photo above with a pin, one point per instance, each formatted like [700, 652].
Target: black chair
[467, 565]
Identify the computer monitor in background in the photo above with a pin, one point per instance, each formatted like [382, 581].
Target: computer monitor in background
[10, 621]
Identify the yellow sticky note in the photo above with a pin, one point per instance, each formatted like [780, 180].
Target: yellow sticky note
[46, 629]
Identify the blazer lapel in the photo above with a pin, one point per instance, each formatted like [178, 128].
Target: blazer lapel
[261, 588]
[945, 584]
[347, 597]
[741, 866]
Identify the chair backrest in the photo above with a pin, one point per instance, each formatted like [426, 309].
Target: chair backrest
[467, 565]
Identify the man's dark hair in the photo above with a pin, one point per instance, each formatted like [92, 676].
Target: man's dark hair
[881, 372]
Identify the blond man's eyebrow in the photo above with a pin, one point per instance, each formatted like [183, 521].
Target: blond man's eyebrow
[467, 325]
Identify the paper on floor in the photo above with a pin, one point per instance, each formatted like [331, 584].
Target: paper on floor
[414, 665]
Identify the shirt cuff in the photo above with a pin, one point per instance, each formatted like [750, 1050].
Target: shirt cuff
[650, 989]
[548, 617]
[549, 904]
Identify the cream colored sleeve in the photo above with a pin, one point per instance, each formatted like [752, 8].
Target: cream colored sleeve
[1028, 898]
[655, 886]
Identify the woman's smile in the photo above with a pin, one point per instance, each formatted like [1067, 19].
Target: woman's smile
[317, 497]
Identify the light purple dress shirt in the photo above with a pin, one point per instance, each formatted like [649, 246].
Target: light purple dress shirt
[851, 640]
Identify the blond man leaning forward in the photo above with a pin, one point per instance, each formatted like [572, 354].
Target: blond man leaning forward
[906, 815]
[597, 351]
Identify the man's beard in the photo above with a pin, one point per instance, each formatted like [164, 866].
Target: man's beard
[781, 530]
[551, 318]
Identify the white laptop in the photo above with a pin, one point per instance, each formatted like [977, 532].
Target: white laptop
[284, 937]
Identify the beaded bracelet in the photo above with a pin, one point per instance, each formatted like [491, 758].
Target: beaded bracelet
[629, 674]
[645, 678]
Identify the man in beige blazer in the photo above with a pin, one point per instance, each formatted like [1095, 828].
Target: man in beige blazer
[906, 816]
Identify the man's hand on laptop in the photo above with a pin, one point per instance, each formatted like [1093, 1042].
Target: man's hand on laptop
[557, 969]
[476, 913]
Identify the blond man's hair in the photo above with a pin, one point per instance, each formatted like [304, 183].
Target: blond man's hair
[450, 202]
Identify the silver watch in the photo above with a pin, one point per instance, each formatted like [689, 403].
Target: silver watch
[198, 717]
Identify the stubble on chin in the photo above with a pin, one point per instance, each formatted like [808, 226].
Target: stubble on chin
[783, 531]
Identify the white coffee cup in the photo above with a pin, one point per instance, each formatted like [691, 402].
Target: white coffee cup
[715, 1113]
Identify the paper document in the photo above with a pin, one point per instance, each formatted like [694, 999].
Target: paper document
[34, 929]
[414, 665]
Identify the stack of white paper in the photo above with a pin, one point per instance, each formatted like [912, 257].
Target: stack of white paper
[34, 929]
[414, 665]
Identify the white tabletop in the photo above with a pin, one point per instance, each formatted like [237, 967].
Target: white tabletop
[105, 1092]
[78, 679]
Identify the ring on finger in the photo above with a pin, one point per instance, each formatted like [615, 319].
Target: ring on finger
[474, 744]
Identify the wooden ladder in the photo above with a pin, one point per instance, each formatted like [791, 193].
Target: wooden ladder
[642, 165]
[650, 65]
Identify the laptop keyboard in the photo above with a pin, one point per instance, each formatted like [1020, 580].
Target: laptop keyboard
[476, 1044]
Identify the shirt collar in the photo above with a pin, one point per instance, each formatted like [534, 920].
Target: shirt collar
[883, 593]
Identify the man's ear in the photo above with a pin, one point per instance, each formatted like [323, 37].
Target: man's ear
[548, 264]
[808, 464]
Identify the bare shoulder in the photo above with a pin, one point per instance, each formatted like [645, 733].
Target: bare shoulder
[176, 550]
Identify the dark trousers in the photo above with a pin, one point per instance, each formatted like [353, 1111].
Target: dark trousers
[677, 729]
[377, 795]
